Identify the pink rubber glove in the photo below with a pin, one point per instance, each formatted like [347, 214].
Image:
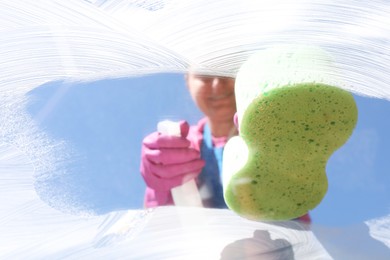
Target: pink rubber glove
[169, 161]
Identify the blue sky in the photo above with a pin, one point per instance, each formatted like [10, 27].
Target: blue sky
[102, 124]
[358, 173]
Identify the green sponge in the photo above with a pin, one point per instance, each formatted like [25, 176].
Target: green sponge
[290, 133]
[291, 119]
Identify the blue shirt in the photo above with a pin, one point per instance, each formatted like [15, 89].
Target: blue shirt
[210, 184]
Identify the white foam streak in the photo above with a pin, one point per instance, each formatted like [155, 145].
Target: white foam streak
[380, 229]
[49, 40]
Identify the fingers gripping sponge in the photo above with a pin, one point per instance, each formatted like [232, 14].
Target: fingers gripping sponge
[289, 133]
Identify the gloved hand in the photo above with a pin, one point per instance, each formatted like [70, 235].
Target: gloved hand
[168, 161]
